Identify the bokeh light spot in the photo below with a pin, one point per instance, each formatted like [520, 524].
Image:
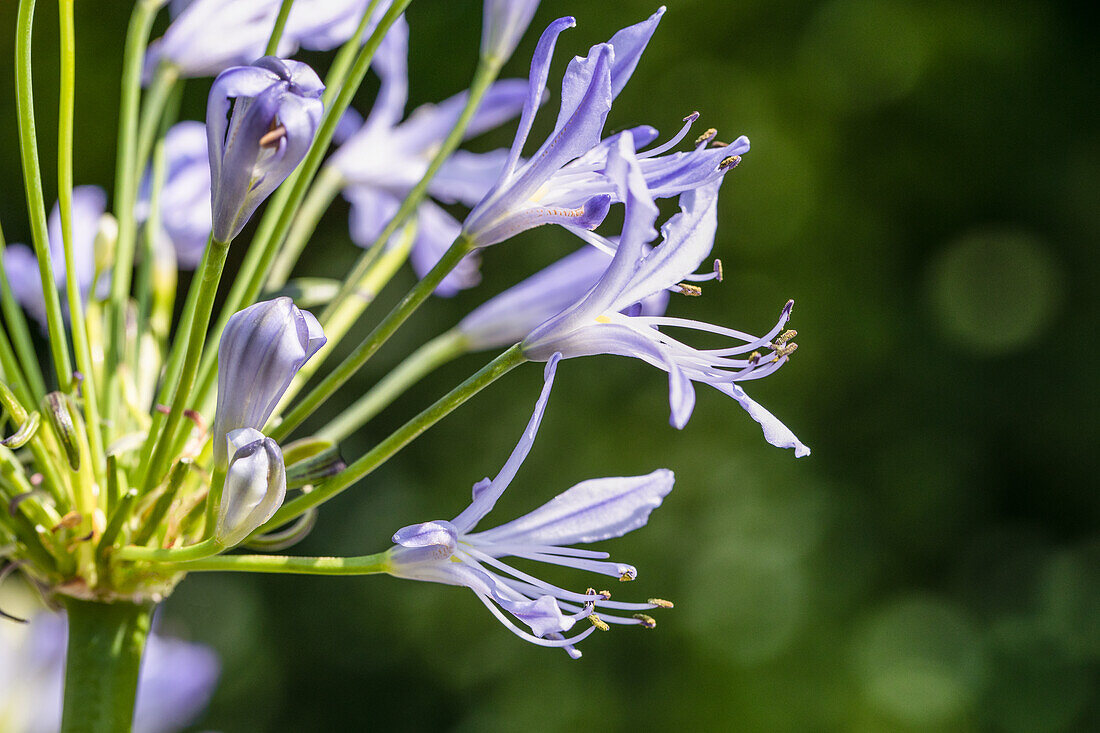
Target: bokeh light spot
[994, 291]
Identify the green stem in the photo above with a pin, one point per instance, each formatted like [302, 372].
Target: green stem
[361, 565]
[345, 309]
[423, 361]
[20, 333]
[374, 340]
[206, 283]
[320, 197]
[404, 435]
[137, 38]
[83, 352]
[106, 641]
[277, 31]
[206, 548]
[36, 205]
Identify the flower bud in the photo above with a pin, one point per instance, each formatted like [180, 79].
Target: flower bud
[256, 146]
[261, 349]
[504, 23]
[255, 485]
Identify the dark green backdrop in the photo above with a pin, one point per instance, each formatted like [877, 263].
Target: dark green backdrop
[923, 182]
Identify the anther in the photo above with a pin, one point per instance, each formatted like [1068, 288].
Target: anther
[718, 270]
[754, 358]
[706, 136]
[628, 575]
[648, 622]
[598, 622]
[196, 418]
[692, 290]
[718, 144]
[661, 603]
[691, 118]
[272, 137]
[784, 338]
[730, 162]
[786, 350]
[37, 479]
[13, 504]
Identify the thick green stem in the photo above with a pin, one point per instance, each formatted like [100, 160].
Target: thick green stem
[423, 361]
[36, 205]
[404, 435]
[106, 641]
[374, 340]
[361, 565]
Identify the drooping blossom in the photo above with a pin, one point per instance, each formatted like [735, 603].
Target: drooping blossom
[175, 684]
[206, 37]
[21, 264]
[503, 24]
[255, 485]
[596, 324]
[383, 158]
[565, 182]
[276, 109]
[450, 552]
[185, 218]
[262, 347]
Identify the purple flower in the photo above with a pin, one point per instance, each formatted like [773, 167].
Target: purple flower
[384, 158]
[503, 24]
[565, 182]
[275, 115]
[512, 315]
[596, 324]
[207, 37]
[594, 510]
[255, 485]
[261, 349]
[21, 264]
[185, 197]
[175, 684]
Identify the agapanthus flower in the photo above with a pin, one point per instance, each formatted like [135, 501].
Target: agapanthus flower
[450, 552]
[175, 684]
[276, 109]
[565, 182]
[261, 349]
[383, 158]
[21, 264]
[255, 485]
[185, 196]
[596, 324]
[208, 36]
[503, 24]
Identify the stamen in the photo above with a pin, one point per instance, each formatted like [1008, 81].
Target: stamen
[37, 479]
[661, 603]
[692, 290]
[706, 136]
[598, 622]
[648, 622]
[784, 338]
[718, 144]
[273, 136]
[627, 576]
[785, 351]
[688, 121]
[718, 269]
[730, 162]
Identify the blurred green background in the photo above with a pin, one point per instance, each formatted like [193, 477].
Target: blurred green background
[923, 182]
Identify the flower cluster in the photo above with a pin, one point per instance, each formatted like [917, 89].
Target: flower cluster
[171, 444]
